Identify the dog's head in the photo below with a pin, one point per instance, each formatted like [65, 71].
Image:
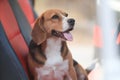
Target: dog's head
[53, 23]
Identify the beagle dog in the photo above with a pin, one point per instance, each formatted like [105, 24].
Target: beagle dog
[49, 57]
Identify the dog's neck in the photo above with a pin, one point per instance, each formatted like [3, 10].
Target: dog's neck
[53, 51]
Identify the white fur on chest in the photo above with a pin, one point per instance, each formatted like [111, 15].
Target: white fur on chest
[52, 52]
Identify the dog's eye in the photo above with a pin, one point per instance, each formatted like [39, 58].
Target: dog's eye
[66, 15]
[55, 17]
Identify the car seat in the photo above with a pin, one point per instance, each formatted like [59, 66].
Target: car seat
[16, 17]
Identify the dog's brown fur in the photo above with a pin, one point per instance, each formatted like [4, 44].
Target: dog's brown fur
[42, 31]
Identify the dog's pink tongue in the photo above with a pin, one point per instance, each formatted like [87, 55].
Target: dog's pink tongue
[68, 36]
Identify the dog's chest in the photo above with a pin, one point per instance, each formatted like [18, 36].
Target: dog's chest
[52, 52]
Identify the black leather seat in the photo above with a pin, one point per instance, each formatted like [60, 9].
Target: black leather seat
[16, 17]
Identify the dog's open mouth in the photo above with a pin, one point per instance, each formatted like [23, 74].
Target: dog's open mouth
[66, 35]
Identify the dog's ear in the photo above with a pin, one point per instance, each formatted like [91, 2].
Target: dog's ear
[38, 32]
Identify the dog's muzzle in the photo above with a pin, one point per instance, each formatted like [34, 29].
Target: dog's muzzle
[66, 35]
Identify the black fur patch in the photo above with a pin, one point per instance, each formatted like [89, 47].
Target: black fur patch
[33, 47]
[64, 49]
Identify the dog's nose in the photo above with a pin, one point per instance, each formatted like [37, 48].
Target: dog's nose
[71, 21]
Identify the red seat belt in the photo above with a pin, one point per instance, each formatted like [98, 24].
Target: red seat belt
[12, 31]
[26, 8]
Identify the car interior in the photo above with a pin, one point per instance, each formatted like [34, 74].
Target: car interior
[16, 19]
